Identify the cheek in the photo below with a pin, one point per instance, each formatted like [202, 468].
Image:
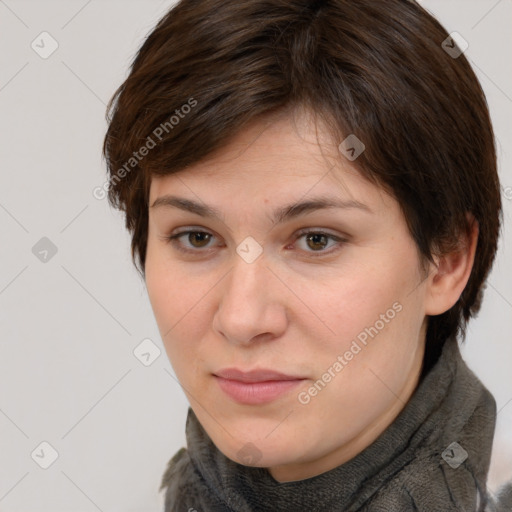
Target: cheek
[169, 287]
[170, 295]
[367, 378]
[180, 305]
[377, 322]
[350, 305]
[374, 322]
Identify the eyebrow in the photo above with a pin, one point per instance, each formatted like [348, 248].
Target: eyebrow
[280, 215]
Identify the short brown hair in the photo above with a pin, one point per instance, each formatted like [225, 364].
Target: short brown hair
[373, 68]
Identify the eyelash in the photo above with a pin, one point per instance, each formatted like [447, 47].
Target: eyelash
[174, 240]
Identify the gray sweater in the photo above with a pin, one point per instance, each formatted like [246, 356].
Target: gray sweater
[433, 458]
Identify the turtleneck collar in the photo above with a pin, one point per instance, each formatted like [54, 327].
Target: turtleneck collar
[441, 411]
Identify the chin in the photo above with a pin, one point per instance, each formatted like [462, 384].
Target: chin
[254, 438]
[258, 451]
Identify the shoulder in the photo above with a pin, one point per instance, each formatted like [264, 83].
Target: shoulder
[185, 488]
[504, 499]
[175, 466]
[177, 482]
[430, 483]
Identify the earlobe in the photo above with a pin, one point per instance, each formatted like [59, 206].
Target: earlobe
[449, 277]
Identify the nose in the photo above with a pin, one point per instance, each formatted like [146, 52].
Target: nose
[252, 303]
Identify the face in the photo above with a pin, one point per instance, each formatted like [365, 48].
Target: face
[321, 309]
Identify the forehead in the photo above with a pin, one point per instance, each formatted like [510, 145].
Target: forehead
[276, 158]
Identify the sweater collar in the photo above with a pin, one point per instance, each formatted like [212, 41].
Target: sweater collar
[434, 417]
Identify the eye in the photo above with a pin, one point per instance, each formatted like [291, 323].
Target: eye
[197, 240]
[317, 241]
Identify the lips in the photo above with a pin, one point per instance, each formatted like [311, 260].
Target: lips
[254, 375]
[255, 386]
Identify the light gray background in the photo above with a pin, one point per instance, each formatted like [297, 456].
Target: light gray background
[68, 326]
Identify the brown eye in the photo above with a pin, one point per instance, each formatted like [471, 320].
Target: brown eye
[316, 241]
[192, 242]
[200, 237]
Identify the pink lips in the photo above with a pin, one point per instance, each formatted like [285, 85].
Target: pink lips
[256, 386]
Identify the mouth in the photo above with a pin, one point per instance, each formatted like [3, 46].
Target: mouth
[256, 386]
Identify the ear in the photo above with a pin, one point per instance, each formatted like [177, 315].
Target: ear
[448, 278]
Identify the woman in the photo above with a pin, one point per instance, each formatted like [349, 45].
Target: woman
[312, 194]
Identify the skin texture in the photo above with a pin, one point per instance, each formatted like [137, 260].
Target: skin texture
[300, 304]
